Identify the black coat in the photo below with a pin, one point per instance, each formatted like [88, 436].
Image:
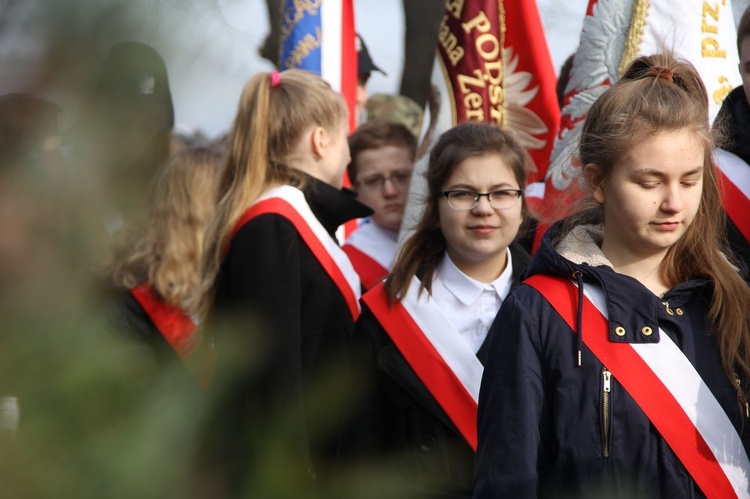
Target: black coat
[128, 321]
[282, 331]
[401, 418]
[541, 416]
[734, 116]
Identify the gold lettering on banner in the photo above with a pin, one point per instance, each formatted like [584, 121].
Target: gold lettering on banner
[710, 48]
[449, 42]
[721, 93]
[710, 24]
[489, 77]
[480, 23]
[302, 49]
[455, 7]
[293, 15]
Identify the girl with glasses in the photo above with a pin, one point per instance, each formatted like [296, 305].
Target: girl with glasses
[424, 330]
[623, 366]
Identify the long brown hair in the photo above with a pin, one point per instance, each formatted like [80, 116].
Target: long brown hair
[271, 119]
[660, 94]
[167, 251]
[424, 250]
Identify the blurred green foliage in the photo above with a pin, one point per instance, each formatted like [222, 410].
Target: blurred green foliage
[98, 418]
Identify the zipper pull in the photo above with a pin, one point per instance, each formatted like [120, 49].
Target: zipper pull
[607, 380]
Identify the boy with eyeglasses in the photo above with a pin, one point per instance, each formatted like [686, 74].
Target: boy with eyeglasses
[383, 154]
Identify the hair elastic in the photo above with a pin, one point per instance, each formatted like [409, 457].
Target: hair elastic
[275, 78]
[661, 72]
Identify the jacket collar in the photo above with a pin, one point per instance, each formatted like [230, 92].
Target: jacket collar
[735, 113]
[630, 305]
[332, 207]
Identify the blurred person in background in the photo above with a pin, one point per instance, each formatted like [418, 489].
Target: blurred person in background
[382, 154]
[397, 108]
[365, 67]
[155, 270]
[123, 131]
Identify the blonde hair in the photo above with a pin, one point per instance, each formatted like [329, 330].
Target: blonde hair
[660, 94]
[271, 119]
[167, 251]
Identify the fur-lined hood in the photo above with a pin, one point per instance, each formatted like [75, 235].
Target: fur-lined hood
[574, 252]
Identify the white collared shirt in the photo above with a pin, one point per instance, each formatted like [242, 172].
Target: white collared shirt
[469, 305]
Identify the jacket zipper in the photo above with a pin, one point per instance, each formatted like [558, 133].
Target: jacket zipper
[606, 393]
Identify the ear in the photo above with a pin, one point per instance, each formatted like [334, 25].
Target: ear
[592, 174]
[319, 138]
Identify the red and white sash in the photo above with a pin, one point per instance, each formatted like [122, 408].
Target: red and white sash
[171, 321]
[289, 202]
[371, 252]
[734, 177]
[667, 388]
[442, 360]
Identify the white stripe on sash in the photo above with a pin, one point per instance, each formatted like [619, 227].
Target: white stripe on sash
[454, 350]
[679, 376]
[297, 200]
[735, 169]
[373, 242]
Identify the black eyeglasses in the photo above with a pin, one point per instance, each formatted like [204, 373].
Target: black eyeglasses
[502, 199]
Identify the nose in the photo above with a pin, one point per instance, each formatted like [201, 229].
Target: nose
[672, 202]
[389, 187]
[483, 206]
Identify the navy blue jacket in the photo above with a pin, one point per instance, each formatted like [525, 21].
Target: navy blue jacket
[542, 419]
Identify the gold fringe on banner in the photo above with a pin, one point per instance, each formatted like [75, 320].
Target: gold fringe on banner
[635, 33]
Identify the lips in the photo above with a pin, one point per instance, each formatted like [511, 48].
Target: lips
[667, 226]
[482, 229]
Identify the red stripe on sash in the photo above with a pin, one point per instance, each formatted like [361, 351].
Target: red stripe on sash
[736, 204]
[656, 401]
[427, 363]
[171, 321]
[282, 208]
[370, 271]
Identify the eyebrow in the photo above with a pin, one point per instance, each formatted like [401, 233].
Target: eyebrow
[659, 173]
[500, 186]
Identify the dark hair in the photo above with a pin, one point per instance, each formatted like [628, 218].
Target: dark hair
[660, 94]
[379, 133]
[743, 28]
[424, 249]
[563, 78]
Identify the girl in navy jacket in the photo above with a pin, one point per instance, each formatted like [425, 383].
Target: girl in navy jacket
[560, 413]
